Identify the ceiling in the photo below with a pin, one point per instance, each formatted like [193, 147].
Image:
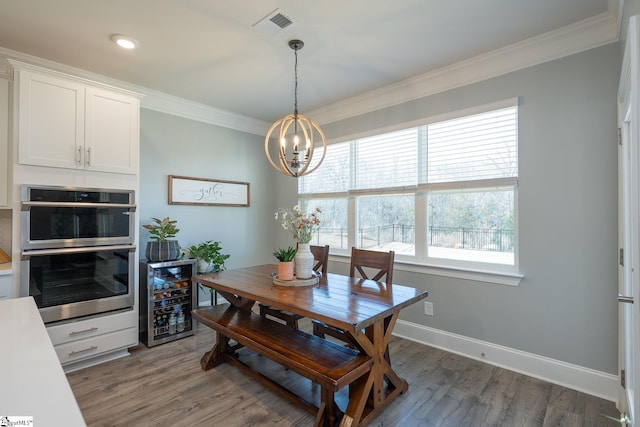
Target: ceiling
[209, 51]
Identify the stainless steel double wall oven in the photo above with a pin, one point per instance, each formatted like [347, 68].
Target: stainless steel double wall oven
[78, 252]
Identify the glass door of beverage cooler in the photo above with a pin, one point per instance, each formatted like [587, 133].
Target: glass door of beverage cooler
[167, 296]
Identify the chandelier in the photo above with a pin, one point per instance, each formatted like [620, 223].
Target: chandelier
[294, 135]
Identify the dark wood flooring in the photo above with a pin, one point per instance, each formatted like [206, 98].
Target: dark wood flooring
[164, 386]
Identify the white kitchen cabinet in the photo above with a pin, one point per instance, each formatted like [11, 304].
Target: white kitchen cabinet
[68, 122]
[86, 342]
[4, 143]
[112, 134]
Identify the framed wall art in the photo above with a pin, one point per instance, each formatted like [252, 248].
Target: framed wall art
[186, 190]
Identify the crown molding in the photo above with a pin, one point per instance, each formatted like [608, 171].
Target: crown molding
[181, 107]
[152, 100]
[587, 34]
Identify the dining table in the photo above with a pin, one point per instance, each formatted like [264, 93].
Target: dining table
[366, 311]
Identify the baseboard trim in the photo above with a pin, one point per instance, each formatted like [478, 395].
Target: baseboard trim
[590, 381]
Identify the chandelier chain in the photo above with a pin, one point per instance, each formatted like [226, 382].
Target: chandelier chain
[295, 89]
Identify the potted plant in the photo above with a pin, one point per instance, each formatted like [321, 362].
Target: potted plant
[285, 257]
[302, 225]
[209, 256]
[160, 248]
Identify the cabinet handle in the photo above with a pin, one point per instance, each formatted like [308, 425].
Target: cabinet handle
[79, 156]
[88, 158]
[624, 298]
[93, 329]
[74, 352]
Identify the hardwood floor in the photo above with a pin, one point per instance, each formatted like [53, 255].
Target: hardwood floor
[164, 386]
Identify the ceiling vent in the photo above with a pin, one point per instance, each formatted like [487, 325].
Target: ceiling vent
[273, 22]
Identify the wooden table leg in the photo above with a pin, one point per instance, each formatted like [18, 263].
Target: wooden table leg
[369, 395]
[241, 302]
[213, 357]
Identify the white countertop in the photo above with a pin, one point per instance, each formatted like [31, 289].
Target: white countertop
[32, 380]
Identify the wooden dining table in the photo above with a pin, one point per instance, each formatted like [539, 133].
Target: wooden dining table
[365, 310]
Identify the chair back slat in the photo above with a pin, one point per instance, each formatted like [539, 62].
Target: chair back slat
[381, 261]
[321, 257]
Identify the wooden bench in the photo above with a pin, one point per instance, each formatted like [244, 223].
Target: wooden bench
[330, 365]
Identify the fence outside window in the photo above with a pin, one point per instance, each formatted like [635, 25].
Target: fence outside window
[479, 239]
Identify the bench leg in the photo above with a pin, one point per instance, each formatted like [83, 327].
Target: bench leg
[214, 357]
[318, 422]
[328, 412]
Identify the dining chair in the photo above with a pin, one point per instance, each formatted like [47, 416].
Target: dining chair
[370, 265]
[380, 262]
[321, 257]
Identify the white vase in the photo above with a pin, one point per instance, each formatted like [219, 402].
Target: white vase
[204, 266]
[303, 261]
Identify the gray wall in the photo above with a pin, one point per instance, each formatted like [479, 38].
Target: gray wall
[565, 306]
[170, 145]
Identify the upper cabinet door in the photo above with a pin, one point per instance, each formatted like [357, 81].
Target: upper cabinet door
[111, 131]
[50, 121]
[68, 122]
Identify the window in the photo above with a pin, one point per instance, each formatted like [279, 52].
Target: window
[442, 193]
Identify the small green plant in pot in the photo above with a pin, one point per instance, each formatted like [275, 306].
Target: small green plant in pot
[160, 248]
[285, 265]
[209, 256]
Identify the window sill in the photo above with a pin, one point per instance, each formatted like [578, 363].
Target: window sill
[478, 275]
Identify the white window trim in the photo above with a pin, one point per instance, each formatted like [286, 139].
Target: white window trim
[480, 184]
[477, 275]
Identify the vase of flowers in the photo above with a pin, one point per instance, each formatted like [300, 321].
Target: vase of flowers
[301, 225]
[303, 261]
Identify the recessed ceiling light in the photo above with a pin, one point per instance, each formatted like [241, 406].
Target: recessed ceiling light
[124, 41]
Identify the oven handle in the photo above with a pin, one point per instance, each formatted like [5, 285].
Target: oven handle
[28, 205]
[38, 252]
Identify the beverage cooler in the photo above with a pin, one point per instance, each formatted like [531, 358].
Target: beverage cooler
[167, 296]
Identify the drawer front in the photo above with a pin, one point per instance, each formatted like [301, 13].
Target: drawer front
[95, 346]
[88, 328]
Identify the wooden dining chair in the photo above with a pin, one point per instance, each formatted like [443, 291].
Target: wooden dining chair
[363, 261]
[321, 257]
[370, 265]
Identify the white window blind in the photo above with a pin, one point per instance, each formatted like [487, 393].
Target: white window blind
[387, 160]
[332, 176]
[482, 146]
